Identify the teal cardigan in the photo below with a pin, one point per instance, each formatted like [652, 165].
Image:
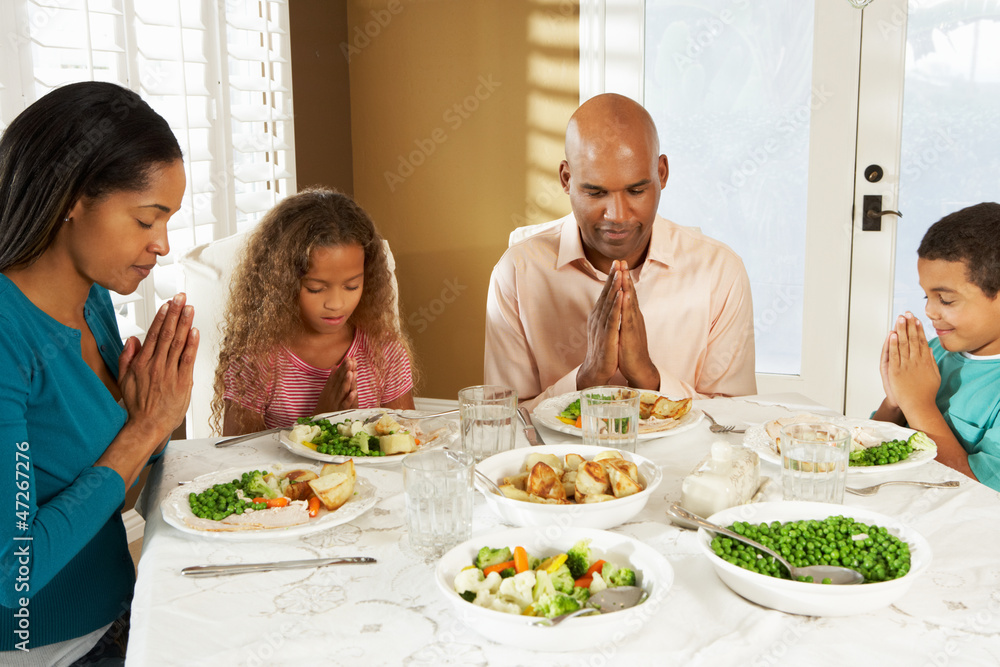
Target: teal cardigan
[65, 568]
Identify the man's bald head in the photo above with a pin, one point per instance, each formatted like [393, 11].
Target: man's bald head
[610, 122]
[613, 174]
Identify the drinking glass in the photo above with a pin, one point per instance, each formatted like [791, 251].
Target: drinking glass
[814, 460]
[488, 414]
[439, 494]
[610, 417]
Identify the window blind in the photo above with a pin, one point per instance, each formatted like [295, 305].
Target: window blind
[218, 72]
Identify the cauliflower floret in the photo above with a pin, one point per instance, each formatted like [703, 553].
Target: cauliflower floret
[349, 428]
[305, 433]
[490, 601]
[597, 583]
[518, 589]
[472, 580]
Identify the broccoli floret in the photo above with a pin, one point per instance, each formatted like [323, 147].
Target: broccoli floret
[509, 572]
[487, 557]
[468, 596]
[534, 562]
[360, 440]
[578, 558]
[618, 576]
[562, 580]
[580, 594]
[258, 485]
[556, 604]
[919, 441]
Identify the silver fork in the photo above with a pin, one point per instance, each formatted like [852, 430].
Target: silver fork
[716, 427]
[872, 490]
[376, 417]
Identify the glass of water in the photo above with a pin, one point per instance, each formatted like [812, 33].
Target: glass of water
[488, 414]
[814, 460]
[610, 417]
[439, 496]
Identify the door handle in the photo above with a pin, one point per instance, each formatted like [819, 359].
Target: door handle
[871, 213]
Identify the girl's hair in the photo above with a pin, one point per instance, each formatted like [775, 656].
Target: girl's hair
[85, 139]
[263, 306]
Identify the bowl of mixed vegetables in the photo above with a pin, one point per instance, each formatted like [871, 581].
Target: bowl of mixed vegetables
[889, 554]
[504, 584]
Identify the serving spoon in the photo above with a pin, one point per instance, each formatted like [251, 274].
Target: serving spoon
[837, 575]
[602, 602]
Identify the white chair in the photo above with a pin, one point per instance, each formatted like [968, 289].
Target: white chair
[207, 271]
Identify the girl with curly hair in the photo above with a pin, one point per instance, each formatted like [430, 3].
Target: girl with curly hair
[311, 324]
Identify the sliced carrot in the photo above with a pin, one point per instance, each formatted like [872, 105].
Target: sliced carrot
[520, 560]
[498, 568]
[272, 502]
[313, 506]
[588, 577]
[579, 421]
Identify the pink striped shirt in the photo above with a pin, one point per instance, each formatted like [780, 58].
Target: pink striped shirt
[300, 383]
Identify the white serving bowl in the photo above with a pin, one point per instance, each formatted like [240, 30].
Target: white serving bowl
[653, 573]
[797, 597]
[608, 514]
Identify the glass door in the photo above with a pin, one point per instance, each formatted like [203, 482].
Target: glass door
[756, 105]
[774, 116]
[930, 82]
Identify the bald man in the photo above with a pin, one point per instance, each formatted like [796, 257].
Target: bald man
[613, 293]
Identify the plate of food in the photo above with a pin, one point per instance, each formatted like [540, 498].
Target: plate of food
[659, 415]
[374, 436]
[274, 501]
[876, 447]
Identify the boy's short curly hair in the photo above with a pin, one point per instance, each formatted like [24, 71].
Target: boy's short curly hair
[971, 235]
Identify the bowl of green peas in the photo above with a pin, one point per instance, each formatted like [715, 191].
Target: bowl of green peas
[889, 554]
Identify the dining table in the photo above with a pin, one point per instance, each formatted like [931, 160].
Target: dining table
[392, 612]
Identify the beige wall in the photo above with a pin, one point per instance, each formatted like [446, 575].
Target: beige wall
[321, 94]
[458, 109]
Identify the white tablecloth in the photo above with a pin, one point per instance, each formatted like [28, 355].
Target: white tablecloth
[392, 614]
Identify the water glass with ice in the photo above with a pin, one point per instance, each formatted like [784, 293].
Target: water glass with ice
[814, 460]
[488, 419]
[439, 491]
[609, 417]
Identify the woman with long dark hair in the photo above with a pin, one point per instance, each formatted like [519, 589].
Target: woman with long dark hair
[89, 176]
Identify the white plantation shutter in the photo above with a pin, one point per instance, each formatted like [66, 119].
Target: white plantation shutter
[219, 72]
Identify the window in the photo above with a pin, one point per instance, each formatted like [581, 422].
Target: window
[218, 72]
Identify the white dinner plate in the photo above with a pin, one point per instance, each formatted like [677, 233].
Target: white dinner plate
[432, 433]
[176, 508]
[548, 410]
[757, 439]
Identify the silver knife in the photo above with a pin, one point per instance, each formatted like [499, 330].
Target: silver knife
[248, 436]
[213, 570]
[529, 429]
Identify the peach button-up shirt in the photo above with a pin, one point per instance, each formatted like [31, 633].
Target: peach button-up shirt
[693, 292]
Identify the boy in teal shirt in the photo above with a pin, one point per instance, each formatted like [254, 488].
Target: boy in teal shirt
[950, 388]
